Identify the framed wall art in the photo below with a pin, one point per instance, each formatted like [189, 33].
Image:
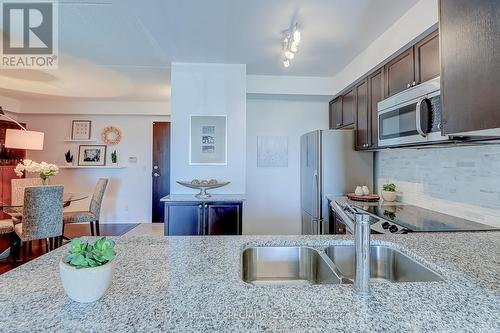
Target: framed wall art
[272, 151]
[207, 140]
[92, 155]
[81, 129]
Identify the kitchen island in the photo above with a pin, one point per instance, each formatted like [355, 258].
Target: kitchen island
[194, 284]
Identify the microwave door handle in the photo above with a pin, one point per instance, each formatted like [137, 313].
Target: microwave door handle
[419, 124]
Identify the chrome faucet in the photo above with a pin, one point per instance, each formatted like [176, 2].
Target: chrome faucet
[362, 258]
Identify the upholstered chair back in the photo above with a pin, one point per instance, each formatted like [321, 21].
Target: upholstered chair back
[43, 212]
[96, 202]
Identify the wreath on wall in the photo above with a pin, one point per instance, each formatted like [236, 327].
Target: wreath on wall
[111, 135]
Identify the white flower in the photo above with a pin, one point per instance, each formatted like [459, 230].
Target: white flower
[44, 169]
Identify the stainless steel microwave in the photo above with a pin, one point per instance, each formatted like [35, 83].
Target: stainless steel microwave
[412, 116]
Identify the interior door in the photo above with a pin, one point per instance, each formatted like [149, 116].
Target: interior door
[161, 168]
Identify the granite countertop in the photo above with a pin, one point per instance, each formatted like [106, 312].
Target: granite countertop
[194, 284]
[214, 197]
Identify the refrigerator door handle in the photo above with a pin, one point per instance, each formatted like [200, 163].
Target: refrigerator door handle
[315, 198]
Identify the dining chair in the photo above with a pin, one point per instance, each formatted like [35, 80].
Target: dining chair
[42, 216]
[17, 195]
[93, 214]
[7, 229]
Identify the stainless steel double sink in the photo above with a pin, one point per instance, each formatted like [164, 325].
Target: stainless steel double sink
[302, 265]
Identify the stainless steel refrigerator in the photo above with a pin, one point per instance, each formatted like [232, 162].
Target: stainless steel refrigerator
[329, 165]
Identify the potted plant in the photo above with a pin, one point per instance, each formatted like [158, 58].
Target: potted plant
[389, 192]
[44, 169]
[114, 158]
[87, 270]
[69, 157]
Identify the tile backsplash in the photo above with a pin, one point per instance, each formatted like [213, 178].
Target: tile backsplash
[460, 181]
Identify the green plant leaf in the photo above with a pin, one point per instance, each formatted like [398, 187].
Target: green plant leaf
[76, 245]
[78, 260]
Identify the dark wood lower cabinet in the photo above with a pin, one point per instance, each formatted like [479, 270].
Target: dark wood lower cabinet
[193, 218]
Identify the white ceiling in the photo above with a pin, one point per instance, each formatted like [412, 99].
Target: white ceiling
[122, 49]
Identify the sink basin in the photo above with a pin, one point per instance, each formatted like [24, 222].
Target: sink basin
[287, 266]
[386, 264]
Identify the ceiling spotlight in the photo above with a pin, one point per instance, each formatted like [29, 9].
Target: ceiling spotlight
[296, 34]
[289, 55]
[291, 40]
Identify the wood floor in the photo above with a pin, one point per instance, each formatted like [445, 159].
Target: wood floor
[71, 231]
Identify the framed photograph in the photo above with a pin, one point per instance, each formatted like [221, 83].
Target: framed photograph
[207, 140]
[81, 129]
[92, 155]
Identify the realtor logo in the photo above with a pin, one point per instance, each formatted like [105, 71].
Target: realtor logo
[29, 35]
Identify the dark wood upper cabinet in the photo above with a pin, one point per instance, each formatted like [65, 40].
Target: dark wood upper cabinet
[427, 58]
[375, 95]
[336, 113]
[348, 106]
[470, 64]
[362, 116]
[400, 73]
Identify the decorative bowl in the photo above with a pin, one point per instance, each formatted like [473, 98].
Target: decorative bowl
[203, 186]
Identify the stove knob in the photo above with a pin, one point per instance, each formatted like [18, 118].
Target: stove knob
[393, 228]
[385, 225]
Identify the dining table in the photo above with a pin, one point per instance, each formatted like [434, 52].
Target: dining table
[9, 207]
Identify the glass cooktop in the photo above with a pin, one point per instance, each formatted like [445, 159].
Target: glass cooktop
[420, 219]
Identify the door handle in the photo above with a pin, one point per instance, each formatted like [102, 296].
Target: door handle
[417, 120]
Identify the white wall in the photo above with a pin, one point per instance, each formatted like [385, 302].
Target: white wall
[289, 85]
[208, 89]
[128, 198]
[422, 17]
[459, 181]
[273, 194]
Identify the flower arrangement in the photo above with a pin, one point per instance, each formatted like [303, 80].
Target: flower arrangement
[44, 169]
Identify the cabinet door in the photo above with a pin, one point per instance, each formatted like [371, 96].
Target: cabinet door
[223, 219]
[336, 113]
[362, 117]
[400, 73]
[375, 95]
[183, 219]
[348, 105]
[469, 33]
[427, 58]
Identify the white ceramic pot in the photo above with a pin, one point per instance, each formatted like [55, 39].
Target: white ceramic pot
[389, 196]
[85, 285]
